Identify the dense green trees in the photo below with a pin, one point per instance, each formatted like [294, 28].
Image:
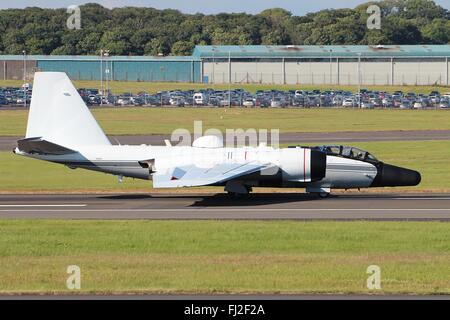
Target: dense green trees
[139, 31]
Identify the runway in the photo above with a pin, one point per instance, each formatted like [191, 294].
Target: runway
[258, 206]
[8, 143]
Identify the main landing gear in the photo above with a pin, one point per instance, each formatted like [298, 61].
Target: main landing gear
[237, 190]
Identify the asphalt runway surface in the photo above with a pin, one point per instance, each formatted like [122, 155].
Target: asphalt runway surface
[9, 143]
[258, 206]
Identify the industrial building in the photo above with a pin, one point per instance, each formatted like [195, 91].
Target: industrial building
[341, 65]
[118, 68]
[312, 65]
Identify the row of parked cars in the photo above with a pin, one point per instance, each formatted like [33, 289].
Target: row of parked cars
[410, 100]
[272, 98]
[242, 98]
[15, 96]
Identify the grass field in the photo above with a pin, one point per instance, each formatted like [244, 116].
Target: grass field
[24, 174]
[224, 257]
[164, 120]
[152, 87]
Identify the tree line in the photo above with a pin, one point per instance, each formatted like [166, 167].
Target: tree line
[148, 31]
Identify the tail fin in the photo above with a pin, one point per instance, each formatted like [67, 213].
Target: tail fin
[59, 115]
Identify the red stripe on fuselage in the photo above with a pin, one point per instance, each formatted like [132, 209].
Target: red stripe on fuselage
[304, 165]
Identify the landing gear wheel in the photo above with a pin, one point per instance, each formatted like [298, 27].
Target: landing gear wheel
[239, 191]
[323, 195]
[236, 195]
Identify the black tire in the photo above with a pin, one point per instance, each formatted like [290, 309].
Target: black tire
[323, 195]
[235, 195]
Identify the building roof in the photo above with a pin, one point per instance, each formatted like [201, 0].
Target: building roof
[291, 51]
[97, 58]
[266, 51]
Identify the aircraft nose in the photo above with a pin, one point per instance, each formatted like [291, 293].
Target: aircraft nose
[393, 176]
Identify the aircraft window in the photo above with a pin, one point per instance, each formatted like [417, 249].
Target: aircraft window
[334, 150]
[348, 152]
[361, 155]
[371, 157]
[331, 150]
[358, 154]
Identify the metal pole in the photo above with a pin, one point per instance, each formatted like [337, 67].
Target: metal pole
[192, 71]
[213, 68]
[24, 66]
[331, 67]
[108, 70]
[446, 71]
[229, 80]
[229, 67]
[392, 71]
[359, 80]
[24, 77]
[283, 61]
[112, 70]
[338, 71]
[101, 75]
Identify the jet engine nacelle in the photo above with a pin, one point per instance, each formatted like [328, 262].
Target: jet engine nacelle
[303, 164]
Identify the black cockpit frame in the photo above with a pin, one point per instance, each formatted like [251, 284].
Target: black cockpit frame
[348, 152]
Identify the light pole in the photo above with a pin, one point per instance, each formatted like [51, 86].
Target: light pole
[24, 77]
[213, 67]
[24, 65]
[229, 79]
[103, 53]
[101, 75]
[107, 71]
[359, 79]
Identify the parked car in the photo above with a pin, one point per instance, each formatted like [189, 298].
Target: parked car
[199, 99]
[3, 100]
[444, 104]
[435, 99]
[405, 104]
[349, 102]
[248, 103]
[276, 103]
[418, 105]
[124, 101]
[367, 105]
[387, 102]
[177, 101]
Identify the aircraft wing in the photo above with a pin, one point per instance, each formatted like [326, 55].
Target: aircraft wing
[192, 176]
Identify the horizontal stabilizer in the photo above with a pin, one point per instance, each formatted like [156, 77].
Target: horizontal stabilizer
[40, 146]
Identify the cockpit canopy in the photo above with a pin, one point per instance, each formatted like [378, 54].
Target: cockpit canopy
[348, 152]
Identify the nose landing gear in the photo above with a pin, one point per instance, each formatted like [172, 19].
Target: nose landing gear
[322, 193]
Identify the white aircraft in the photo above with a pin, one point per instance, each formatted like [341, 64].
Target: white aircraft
[61, 129]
